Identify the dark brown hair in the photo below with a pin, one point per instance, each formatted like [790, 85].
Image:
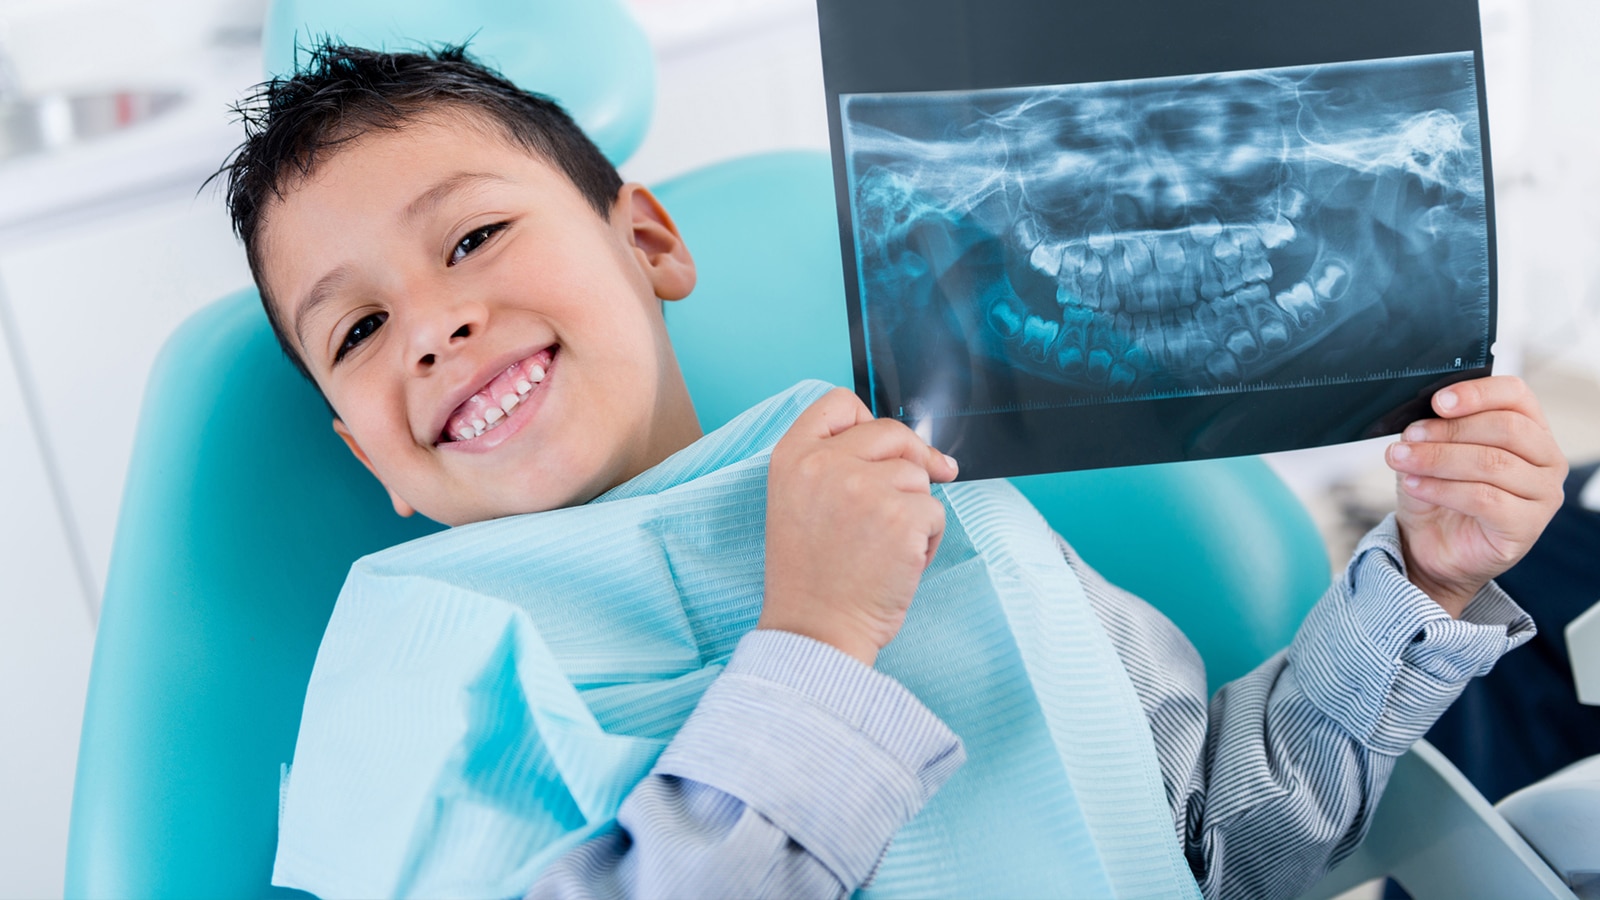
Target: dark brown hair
[292, 124]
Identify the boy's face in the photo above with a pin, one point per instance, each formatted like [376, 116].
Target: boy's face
[436, 275]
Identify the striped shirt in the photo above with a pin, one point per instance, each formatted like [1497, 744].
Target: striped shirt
[800, 763]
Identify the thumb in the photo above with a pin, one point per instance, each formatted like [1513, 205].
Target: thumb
[941, 467]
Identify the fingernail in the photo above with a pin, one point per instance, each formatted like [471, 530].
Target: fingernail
[1448, 400]
[1412, 481]
[951, 460]
[1415, 432]
[1399, 451]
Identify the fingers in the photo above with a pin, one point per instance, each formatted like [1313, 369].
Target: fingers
[1512, 431]
[930, 516]
[1491, 449]
[840, 415]
[833, 413]
[1497, 510]
[1492, 432]
[1506, 392]
[883, 439]
[921, 520]
[1477, 486]
[934, 536]
[1495, 467]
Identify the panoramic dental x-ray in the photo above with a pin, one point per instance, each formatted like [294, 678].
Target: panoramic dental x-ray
[1060, 245]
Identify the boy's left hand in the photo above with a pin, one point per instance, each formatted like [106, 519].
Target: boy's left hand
[1476, 486]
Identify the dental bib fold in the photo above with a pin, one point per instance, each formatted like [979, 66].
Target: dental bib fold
[485, 698]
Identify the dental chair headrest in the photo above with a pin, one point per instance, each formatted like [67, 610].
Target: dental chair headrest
[588, 55]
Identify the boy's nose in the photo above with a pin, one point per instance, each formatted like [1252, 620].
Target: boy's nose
[437, 333]
[428, 359]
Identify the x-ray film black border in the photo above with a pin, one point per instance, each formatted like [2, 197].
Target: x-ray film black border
[868, 47]
[1030, 442]
[1490, 237]
[873, 46]
[844, 207]
[861, 348]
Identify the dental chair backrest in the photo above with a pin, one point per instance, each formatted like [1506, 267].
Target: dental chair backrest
[243, 512]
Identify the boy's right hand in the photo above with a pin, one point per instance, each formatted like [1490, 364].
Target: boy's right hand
[850, 525]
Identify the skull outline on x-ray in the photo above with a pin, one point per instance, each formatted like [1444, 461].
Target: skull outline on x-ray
[1175, 235]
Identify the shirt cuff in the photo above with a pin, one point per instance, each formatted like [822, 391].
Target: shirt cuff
[1382, 659]
[836, 754]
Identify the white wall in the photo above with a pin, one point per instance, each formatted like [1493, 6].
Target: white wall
[45, 639]
[1562, 220]
[735, 77]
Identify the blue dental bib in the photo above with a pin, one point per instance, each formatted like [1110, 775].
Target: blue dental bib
[486, 697]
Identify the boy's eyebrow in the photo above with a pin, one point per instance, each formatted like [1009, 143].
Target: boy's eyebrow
[429, 200]
[319, 294]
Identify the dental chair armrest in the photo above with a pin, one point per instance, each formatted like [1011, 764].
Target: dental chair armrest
[1560, 817]
[1436, 835]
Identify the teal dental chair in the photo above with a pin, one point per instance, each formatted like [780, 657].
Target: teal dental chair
[243, 512]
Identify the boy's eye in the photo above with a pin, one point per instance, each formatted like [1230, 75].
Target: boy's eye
[359, 332]
[473, 240]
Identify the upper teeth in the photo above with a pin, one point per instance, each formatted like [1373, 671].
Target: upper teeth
[492, 417]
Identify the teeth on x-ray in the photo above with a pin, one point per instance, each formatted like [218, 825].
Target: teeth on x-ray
[1167, 235]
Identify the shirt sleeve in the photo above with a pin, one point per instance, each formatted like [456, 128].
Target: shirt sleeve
[1275, 780]
[789, 780]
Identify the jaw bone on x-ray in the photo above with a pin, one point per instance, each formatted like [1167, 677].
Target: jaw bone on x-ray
[1094, 243]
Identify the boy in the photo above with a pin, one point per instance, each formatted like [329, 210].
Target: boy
[477, 295]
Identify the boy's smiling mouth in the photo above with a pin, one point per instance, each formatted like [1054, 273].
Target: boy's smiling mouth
[493, 405]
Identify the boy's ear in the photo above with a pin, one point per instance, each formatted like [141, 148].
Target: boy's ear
[401, 507]
[657, 245]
